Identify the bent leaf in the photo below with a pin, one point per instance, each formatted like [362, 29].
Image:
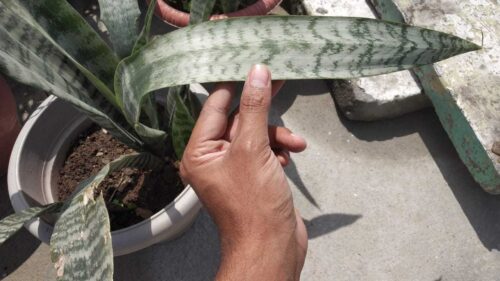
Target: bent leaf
[292, 47]
[120, 18]
[13, 223]
[30, 56]
[81, 246]
[62, 26]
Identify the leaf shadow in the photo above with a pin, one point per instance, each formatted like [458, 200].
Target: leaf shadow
[328, 223]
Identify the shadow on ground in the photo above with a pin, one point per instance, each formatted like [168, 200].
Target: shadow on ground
[196, 254]
[482, 209]
[15, 251]
[281, 103]
[328, 223]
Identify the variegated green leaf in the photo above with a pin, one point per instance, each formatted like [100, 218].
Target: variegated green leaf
[149, 106]
[229, 6]
[13, 223]
[293, 47]
[81, 246]
[200, 10]
[171, 101]
[29, 55]
[62, 25]
[153, 138]
[120, 18]
[182, 123]
[150, 132]
[143, 38]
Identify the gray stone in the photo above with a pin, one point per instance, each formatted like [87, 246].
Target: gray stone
[370, 98]
[463, 89]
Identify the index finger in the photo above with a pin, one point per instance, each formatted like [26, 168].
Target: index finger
[213, 119]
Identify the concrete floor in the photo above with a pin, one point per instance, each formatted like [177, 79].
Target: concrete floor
[388, 200]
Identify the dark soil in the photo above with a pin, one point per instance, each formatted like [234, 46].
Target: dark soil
[131, 195]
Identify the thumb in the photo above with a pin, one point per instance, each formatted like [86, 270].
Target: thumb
[254, 105]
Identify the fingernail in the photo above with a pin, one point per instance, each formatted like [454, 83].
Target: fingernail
[259, 76]
[299, 138]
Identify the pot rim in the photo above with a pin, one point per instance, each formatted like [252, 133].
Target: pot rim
[179, 18]
[153, 229]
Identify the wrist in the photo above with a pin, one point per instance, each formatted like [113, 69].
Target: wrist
[262, 257]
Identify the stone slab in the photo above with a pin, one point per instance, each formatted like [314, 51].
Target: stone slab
[465, 89]
[370, 98]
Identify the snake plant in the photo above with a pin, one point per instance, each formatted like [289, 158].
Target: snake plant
[48, 45]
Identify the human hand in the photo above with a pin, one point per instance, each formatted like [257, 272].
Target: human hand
[235, 166]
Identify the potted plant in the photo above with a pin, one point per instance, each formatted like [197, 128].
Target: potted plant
[176, 12]
[47, 44]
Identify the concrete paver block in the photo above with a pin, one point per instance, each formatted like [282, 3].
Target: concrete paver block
[463, 89]
[370, 98]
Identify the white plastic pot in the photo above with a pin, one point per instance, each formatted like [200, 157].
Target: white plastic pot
[36, 158]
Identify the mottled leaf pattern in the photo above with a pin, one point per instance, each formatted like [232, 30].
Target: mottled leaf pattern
[29, 55]
[81, 246]
[13, 223]
[387, 10]
[149, 106]
[73, 37]
[120, 18]
[182, 121]
[200, 10]
[450, 113]
[293, 47]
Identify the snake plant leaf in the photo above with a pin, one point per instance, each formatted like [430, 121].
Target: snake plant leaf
[69, 32]
[292, 47]
[229, 6]
[148, 107]
[200, 10]
[81, 246]
[29, 55]
[153, 138]
[182, 123]
[120, 18]
[143, 38]
[13, 223]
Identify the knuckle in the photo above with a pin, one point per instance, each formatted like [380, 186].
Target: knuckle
[210, 107]
[251, 147]
[254, 101]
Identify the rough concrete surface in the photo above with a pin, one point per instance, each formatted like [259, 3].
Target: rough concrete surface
[370, 98]
[463, 89]
[394, 202]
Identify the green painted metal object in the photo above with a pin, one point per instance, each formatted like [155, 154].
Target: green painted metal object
[463, 90]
